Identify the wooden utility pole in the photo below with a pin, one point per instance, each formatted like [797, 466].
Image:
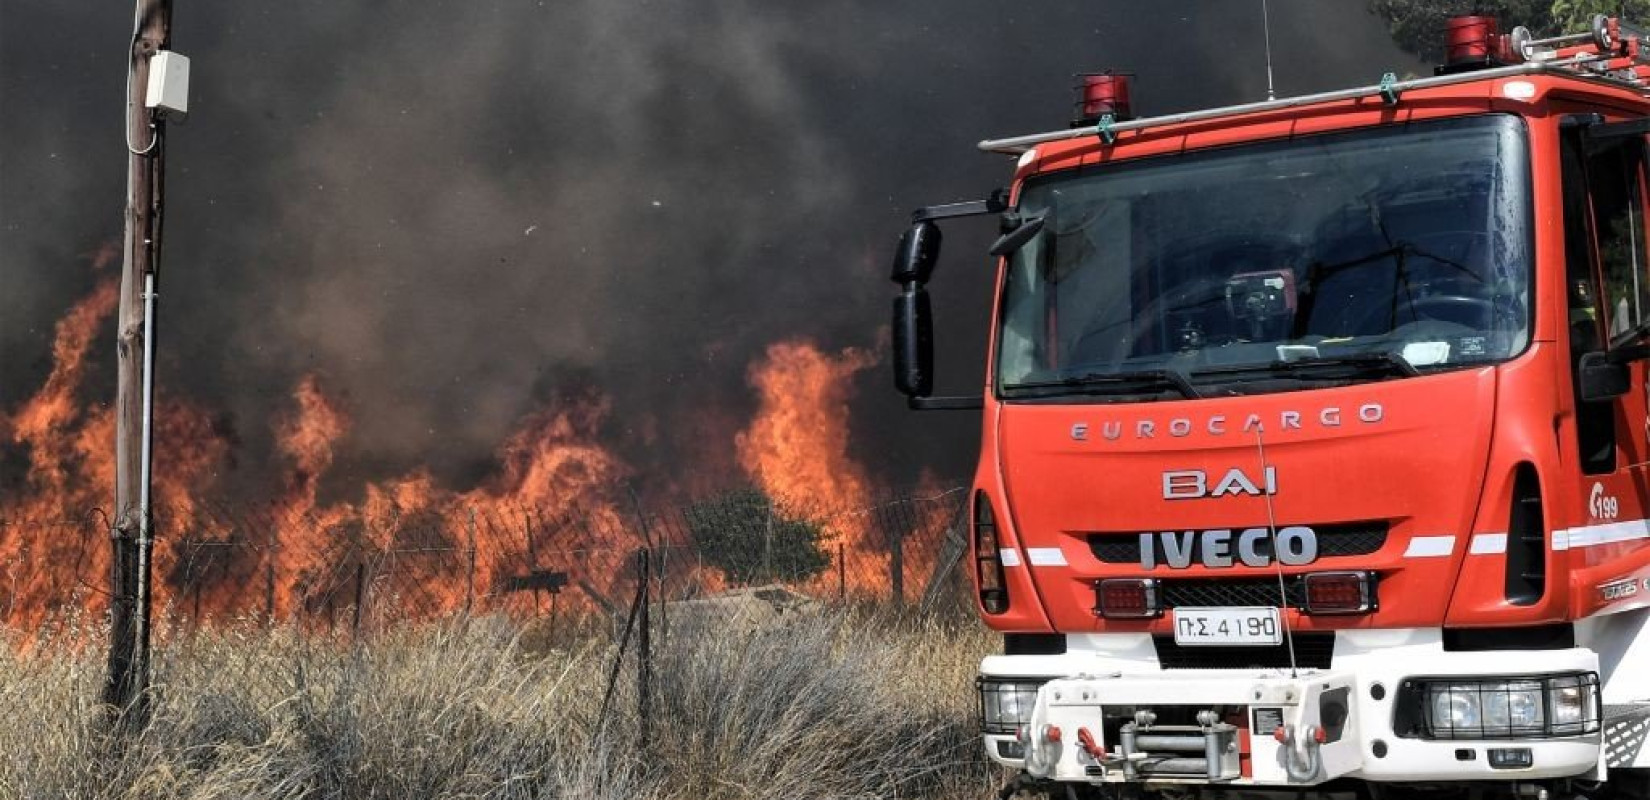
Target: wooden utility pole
[130, 540]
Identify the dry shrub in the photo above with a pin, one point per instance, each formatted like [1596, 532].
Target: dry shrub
[848, 703]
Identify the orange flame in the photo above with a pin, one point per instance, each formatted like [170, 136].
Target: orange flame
[796, 448]
[43, 543]
[551, 504]
[307, 437]
[40, 423]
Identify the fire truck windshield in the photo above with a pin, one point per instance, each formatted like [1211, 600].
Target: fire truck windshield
[1388, 251]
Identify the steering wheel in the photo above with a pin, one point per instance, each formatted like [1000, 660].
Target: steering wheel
[1473, 312]
[1456, 307]
[1216, 256]
[1100, 344]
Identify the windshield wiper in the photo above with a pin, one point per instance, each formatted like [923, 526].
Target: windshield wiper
[1119, 383]
[1380, 362]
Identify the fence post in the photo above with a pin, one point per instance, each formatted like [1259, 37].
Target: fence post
[644, 660]
[664, 594]
[532, 557]
[360, 597]
[270, 526]
[470, 574]
[767, 544]
[841, 572]
[896, 566]
[647, 539]
[953, 546]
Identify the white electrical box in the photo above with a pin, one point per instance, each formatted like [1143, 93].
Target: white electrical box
[168, 91]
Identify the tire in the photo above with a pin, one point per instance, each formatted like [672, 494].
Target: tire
[1628, 784]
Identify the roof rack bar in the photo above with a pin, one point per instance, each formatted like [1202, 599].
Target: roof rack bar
[1015, 145]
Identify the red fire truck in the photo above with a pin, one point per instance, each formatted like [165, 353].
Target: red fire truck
[1316, 435]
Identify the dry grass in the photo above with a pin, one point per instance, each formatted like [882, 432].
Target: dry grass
[851, 703]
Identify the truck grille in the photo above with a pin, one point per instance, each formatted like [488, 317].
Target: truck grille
[1218, 592]
[1340, 539]
[1311, 650]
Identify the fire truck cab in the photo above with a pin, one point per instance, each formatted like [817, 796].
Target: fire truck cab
[1316, 435]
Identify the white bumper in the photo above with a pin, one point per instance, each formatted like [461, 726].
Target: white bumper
[1120, 671]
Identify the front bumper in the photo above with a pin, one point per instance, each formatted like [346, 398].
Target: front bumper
[1112, 717]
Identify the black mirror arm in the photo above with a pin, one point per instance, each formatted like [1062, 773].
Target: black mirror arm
[973, 403]
[1617, 130]
[1016, 238]
[995, 204]
[1629, 353]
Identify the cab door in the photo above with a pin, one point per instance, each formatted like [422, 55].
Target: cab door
[1608, 287]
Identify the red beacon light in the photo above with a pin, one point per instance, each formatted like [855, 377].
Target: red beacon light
[1100, 94]
[1473, 42]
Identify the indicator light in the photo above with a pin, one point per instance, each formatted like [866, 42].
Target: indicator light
[1126, 598]
[1339, 593]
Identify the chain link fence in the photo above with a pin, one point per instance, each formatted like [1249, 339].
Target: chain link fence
[356, 572]
[478, 650]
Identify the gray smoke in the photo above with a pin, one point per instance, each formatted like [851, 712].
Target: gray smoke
[457, 211]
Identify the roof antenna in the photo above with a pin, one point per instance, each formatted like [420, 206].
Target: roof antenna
[1272, 527]
[1266, 24]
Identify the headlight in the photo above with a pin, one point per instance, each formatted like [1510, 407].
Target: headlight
[1454, 707]
[1006, 703]
[1575, 704]
[1500, 708]
[1514, 706]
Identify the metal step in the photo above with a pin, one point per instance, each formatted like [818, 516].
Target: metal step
[1626, 726]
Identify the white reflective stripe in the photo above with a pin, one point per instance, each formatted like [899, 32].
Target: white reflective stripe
[1430, 546]
[1010, 558]
[1046, 556]
[1607, 533]
[1485, 544]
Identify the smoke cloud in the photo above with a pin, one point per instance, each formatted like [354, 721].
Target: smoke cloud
[455, 213]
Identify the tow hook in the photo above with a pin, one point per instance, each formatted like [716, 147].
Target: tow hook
[1089, 745]
[1300, 753]
[1042, 744]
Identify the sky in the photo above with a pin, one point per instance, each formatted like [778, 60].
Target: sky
[455, 213]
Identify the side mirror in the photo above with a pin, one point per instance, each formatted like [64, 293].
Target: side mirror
[1602, 378]
[919, 250]
[913, 343]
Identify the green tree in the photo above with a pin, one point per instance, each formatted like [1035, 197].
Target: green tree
[1418, 25]
[743, 534]
[1576, 15]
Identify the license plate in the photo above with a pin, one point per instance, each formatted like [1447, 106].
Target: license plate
[1227, 626]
